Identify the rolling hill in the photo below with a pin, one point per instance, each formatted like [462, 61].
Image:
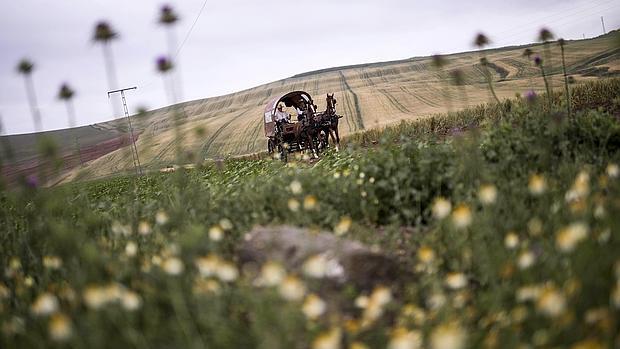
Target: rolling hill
[369, 96]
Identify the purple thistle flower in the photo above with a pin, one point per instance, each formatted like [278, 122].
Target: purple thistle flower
[167, 15]
[103, 32]
[32, 181]
[537, 61]
[164, 64]
[530, 96]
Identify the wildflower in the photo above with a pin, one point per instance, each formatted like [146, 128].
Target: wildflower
[589, 344]
[293, 205]
[401, 338]
[65, 92]
[336, 175]
[271, 274]
[28, 281]
[164, 64]
[448, 336]
[310, 202]
[481, 40]
[216, 233]
[537, 184]
[227, 272]
[528, 293]
[52, 262]
[295, 187]
[525, 260]
[144, 228]
[315, 266]
[60, 328]
[362, 301]
[167, 15]
[94, 297]
[45, 304]
[328, 340]
[538, 61]
[120, 229]
[131, 301]
[545, 35]
[25, 66]
[426, 255]
[456, 281]
[161, 217]
[103, 32]
[580, 188]
[358, 345]
[511, 240]
[207, 266]
[487, 194]
[567, 238]
[551, 302]
[202, 286]
[436, 300]
[530, 96]
[615, 295]
[131, 249]
[5, 293]
[441, 208]
[343, 226]
[313, 306]
[461, 217]
[535, 226]
[226, 224]
[173, 266]
[292, 289]
[613, 171]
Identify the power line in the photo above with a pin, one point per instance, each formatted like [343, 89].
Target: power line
[204, 4]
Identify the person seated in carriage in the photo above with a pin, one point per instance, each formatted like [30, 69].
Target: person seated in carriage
[281, 117]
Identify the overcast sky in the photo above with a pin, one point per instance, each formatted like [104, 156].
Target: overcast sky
[240, 44]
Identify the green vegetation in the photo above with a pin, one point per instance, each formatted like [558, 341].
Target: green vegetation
[504, 216]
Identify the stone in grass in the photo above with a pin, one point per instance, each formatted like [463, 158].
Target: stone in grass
[342, 262]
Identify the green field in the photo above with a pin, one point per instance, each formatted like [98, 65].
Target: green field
[500, 224]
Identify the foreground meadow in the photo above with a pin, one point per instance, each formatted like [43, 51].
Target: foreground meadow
[502, 220]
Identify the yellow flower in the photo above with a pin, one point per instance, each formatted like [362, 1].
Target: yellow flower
[295, 187]
[272, 273]
[461, 217]
[615, 295]
[361, 301]
[144, 228]
[292, 289]
[426, 254]
[511, 241]
[60, 328]
[401, 338]
[313, 306]
[45, 304]
[456, 281]
[551, 302]
[310, 202]
[173, 266]
[293, 205]
[441, 208]
[567, 239]
[52, 262]
[315, 266]
[94, 297]
[448, 336]
[537, 184]
[207, 266]
[580, 188]
[589, 344]
[328, 340]
[358, 345]
[161, 217]
[203, 286]
[613, 171]
[216, 233]
[487, 194]
[343, 226]
[528, 293]
[535, 226]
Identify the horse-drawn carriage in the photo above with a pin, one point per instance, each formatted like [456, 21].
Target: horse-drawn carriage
[311, 130]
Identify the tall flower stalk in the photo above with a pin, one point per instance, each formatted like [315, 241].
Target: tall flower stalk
[458, 79]
[561, 42]
[25, 67]
[165, 67]
[104, 34]
[439, 62]
[545, 36]
[539, 63]
[481, 41]
[168, 18]
[527, 53]
[66, 94]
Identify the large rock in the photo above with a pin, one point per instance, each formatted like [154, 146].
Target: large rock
[348, 262]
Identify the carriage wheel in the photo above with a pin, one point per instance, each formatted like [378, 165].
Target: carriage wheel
[271, 147]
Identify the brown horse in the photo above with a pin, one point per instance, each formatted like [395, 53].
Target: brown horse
[330, 121]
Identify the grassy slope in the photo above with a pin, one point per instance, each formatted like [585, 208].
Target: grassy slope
[370, 96]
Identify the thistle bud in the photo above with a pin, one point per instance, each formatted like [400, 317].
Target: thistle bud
[65, 92]
[103, 32]
[164, 64]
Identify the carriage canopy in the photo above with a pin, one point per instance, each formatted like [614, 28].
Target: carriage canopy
[292, 99]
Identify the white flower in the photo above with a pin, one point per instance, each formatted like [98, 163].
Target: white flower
[343, 226]
[449, 336]
[45, 304]
[567, 239]
[537, 184]
[293, 205]
[172, 266]
[131, 249]
[362, 301]
[441, 208]
[144, 228]
[226, 224]
[551, 302]
[528, 293]
[613, 171]
[315, 266]
[216, 233]
[94, 297]
[52, 262]
[295, 187]
[227, 272]
[328, 340]
[313, 306]
[511, 241]
[292, 289]
[208, 266]
[461, 217]
[131, 301]
[161, 217]
[60, 328]
[456, 281]
[403, 339]
[272, 274]
[526, 259]
[487, 194]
